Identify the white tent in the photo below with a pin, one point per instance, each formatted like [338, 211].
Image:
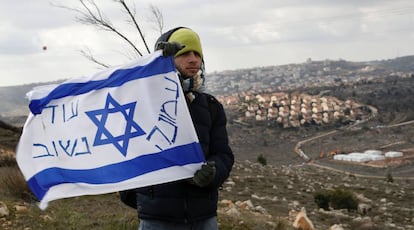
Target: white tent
[393, 154]
[373, 152]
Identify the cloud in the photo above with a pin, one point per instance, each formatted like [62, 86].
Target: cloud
[235, 33]
[18, 41]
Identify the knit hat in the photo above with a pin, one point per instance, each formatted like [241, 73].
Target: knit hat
[188, 38]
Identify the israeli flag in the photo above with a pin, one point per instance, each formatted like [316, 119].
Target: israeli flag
[122, 128]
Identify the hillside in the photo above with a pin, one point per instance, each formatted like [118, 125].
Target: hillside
[257, 196]
[394, 104]
[311, 76]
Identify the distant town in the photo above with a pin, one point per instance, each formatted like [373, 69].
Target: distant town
[272, 94]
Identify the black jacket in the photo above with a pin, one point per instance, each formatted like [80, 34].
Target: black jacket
[184, 202]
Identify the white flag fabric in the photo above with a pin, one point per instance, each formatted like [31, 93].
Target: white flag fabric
[122, 128]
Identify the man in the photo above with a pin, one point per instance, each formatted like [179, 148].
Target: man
[191, 203]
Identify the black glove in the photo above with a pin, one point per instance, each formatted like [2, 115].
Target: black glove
[205, 175]
[169, 48]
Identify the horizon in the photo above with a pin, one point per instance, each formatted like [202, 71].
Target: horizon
[214, 72]
[35, 48]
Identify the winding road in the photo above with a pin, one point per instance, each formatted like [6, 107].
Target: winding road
[298, 148]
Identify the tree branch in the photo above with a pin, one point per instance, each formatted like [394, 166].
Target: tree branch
[158, 18]
[88, 54]
[89, 13]
[133, 18]
[93, 16]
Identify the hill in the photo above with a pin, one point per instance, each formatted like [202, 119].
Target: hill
[258, 196]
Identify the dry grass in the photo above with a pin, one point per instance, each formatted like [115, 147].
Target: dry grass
[87, 212]
[93, 212]
[90, 212]
[247, 221]
[11, 178]
[7, 158]
[13, 182]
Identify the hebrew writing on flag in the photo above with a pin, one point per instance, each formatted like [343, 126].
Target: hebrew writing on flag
[119, 129]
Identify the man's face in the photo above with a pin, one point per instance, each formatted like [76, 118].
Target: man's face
[188, 64]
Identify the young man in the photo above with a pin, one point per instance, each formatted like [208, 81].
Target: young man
[192, 203]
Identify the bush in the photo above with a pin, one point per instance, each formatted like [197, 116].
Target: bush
[322, 200]
[336, 199]
[389, 177]
[340, 199]
[262, 160]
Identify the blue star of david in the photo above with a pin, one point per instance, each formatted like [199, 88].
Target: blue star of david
[104, 136]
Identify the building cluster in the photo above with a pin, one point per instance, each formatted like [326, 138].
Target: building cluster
[295, 110]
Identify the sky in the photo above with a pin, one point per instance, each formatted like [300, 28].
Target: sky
[40, 42]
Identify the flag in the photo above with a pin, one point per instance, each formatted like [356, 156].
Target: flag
[119, 129]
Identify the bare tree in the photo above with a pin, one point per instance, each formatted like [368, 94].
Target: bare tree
[134, 20]
[90, 13]
[88, 54]
[157, 18]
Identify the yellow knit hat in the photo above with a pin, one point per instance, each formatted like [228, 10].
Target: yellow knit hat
[188, 38]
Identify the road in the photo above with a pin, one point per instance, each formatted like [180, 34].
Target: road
[299, 151]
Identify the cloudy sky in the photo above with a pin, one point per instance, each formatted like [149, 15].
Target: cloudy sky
[235, 34]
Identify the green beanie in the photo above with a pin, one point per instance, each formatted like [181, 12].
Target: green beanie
[188, 38]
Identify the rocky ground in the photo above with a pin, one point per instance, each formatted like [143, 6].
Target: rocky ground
[287, 183]
[279, 147]
[283, 190]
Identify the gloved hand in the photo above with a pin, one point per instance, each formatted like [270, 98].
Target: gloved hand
[169, 48]
[205, 175]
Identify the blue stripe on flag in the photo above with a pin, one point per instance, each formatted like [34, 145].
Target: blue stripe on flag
[117, 78]
[44, 180]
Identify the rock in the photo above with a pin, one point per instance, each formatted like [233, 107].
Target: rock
[362, 198]
[227, 189]
[20, 208]
[295, 203]
[254, 196]
[364, 223]
[334, 213]
[4, 211]
[227, 203]
[302, 221]
[336, 227]
[246, 205]
[363, 209]
[271, 224]
[46, 218]
[233, 212]
[261, 210]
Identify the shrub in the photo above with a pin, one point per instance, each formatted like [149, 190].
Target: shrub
[262, 160]
[389, 177]
[340, 199]
[336, 199]
[322, 200]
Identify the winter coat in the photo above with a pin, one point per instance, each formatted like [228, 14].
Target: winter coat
[182, 201]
